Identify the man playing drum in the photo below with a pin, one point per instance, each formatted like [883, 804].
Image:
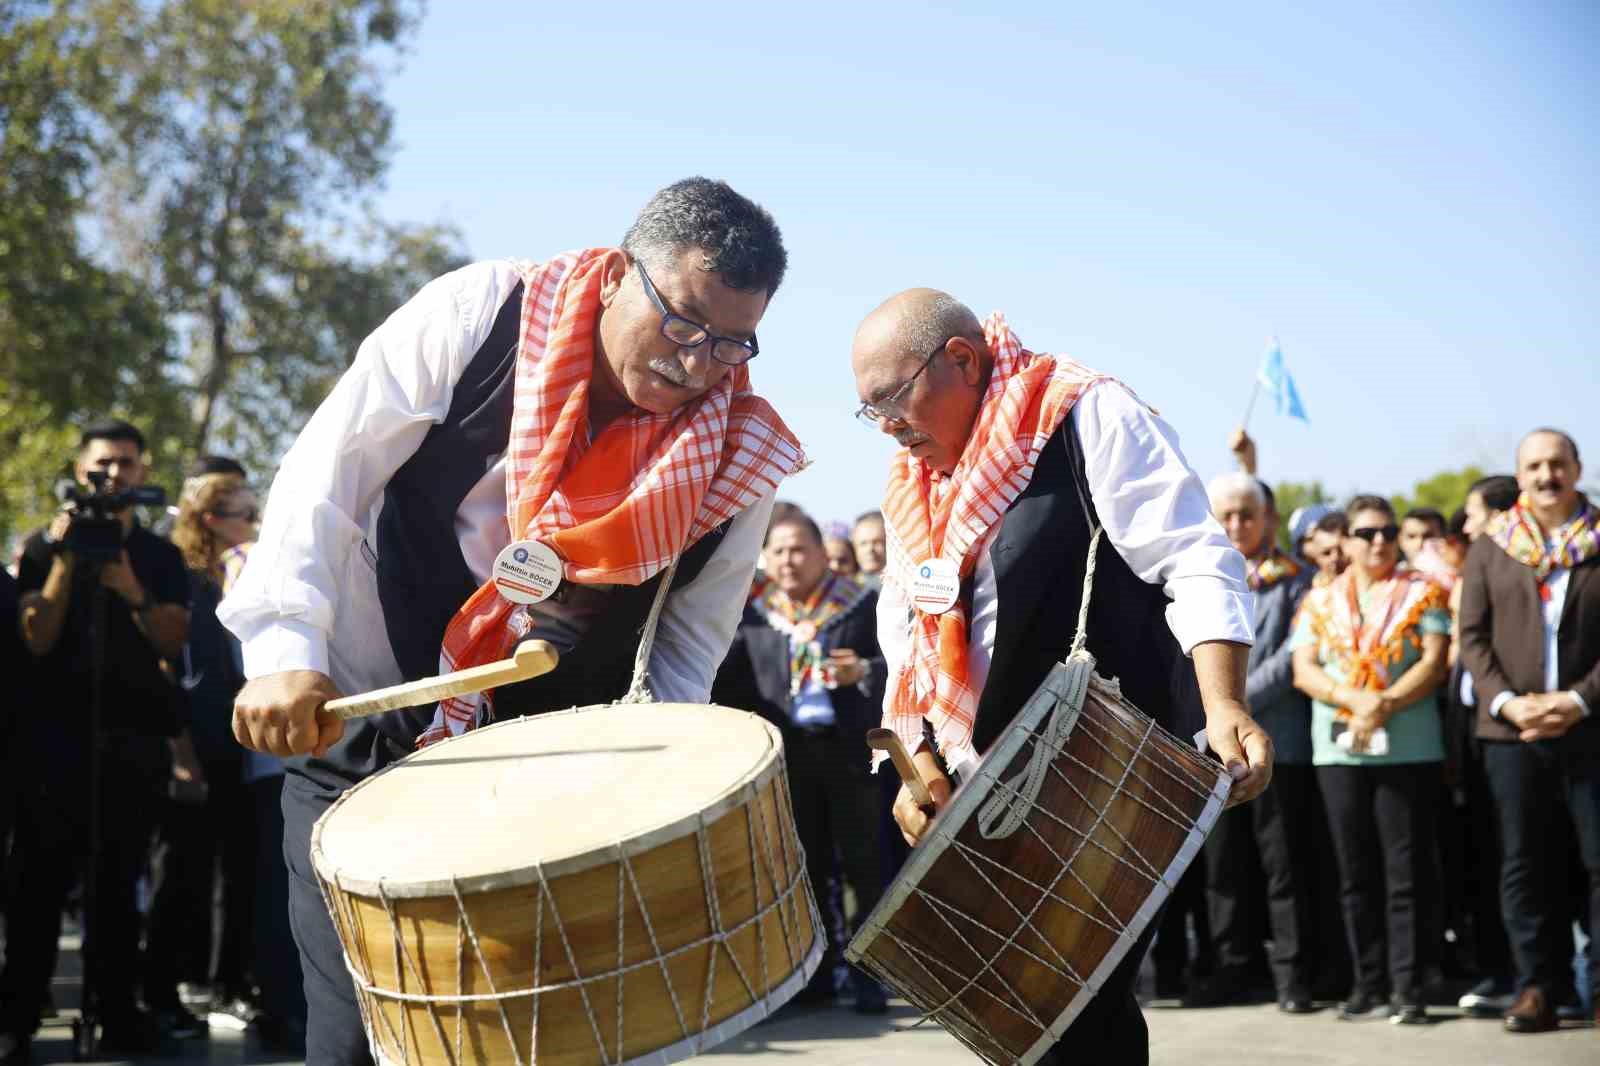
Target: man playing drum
[585, 423]
[1003, 452]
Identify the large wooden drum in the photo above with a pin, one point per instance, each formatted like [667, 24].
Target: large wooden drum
[1046, 866]
[603, 885]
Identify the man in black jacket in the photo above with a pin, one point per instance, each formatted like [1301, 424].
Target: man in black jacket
[146, 593]
[806, 659]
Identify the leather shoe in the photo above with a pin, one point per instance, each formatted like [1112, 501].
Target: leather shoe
[1296, 1004]
[1531, 1013]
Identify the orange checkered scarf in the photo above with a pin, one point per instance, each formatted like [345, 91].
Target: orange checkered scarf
[928, 515]
[619, 509]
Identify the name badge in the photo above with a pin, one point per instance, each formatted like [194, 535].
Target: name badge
[527, 571]
[935, 586]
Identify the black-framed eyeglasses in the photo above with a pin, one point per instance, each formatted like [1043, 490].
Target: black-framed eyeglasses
[889, 408]
[1390, 533]
[687, 334]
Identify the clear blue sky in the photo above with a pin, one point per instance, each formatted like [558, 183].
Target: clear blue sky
[1404, 194]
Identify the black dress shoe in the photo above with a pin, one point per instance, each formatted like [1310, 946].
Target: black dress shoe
[1297, 1004]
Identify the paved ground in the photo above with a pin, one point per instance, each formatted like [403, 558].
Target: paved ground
[1256, 1036]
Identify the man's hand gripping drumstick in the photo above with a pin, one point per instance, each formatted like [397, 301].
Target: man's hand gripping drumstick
[924, 790]
[300, 712]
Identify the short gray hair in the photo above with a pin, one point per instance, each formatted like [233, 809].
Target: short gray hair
[1235, 484]
[940, 318]
[738, 238]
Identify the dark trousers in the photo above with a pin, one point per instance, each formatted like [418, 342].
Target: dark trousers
[1531, 784]
[1171, 951]
[1277, 826]
[49, 848]
[1491, 950]
[1382, 821]
[277, 963]
[1111, 1030]
[333, 1018]
[202, 849]
[836, 813]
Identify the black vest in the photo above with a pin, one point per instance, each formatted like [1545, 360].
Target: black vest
[423, 578]
[1039, 560]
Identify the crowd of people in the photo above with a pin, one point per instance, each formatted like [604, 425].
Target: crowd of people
[1415, 766]
[183, 912]
[1414, 832]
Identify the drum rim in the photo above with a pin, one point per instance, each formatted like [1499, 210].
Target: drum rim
[964, 805]
[738, 795]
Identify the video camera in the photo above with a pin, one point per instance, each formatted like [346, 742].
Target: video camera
[96, 532]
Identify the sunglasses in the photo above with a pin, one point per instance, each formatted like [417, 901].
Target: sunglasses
[1390, 533]
[249, 514]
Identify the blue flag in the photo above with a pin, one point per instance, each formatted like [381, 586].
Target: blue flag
[1275, 377]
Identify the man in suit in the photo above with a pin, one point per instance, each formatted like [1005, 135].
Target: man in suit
[806, 658]
[1530, 635]
[1278, 824]
[1009, 460]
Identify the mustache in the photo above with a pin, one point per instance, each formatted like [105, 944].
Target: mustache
[908, 438]
[1553, 485]
[674, 372]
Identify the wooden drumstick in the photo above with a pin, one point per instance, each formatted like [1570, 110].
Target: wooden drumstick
[888, 740]
[532, 658]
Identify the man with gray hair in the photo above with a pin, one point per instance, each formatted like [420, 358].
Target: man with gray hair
[513, 408]
[1279, 822]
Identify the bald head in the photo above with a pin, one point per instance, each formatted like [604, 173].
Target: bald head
[921, 363]
[915, 321]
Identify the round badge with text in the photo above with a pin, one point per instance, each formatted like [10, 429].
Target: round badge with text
[527, 571]
[935, 586]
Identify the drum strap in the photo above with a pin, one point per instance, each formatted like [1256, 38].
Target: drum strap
[639, 689]
[1005, 811]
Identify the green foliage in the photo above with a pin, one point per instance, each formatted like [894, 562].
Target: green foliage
[1290, 496]
[185, 237]
[1444, 492]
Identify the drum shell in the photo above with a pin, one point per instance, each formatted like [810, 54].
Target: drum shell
[969, 932]
[635, 920]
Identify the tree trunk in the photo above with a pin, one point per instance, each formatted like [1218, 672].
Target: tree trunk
[217, 374]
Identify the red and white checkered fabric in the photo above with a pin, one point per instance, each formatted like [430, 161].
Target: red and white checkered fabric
[619, 509]
[928, 515]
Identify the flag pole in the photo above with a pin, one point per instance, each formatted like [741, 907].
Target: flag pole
[1251, 406]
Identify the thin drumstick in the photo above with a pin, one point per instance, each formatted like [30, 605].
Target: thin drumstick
[532, 658]
[887, 740]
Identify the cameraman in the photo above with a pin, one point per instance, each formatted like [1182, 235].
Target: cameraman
[146, 619]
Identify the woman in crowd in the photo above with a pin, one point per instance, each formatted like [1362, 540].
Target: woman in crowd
[215, 512]
[1370, 651]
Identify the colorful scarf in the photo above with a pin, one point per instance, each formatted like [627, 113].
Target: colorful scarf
[1519, 535]
[927, 515]
[1275, 566]
[1367, 647]
[619, 509]
[803, 622]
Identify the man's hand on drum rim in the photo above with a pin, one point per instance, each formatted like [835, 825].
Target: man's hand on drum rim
[277, 714]
[1244, 748]
[912, 819]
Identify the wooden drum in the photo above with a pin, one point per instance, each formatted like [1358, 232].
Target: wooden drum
[1034, 882]
[603, 885]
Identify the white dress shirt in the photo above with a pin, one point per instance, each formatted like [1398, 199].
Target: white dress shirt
[308, 597]
[1156, 514]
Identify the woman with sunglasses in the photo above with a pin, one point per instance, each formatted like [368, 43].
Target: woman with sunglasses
[1370, 650]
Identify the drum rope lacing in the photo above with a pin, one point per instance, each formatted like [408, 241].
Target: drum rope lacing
[765, 858]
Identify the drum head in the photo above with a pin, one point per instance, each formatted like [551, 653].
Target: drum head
[559, 792]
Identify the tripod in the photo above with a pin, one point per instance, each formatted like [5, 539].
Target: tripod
[86, 1030]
